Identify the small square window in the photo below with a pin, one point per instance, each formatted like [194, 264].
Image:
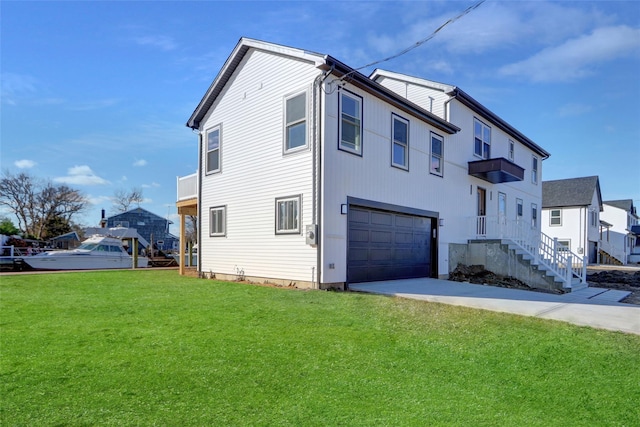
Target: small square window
[218, 221]
[555, 217]
[564, 245]
[288, 215]
[399, 142]
[437, 154]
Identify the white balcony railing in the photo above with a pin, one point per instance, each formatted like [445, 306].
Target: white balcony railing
[543, 249]
[187, 187]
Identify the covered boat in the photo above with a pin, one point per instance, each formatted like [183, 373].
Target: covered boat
[95, 253]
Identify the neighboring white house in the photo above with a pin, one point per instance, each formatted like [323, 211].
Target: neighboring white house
[617, 239]
[314, 174]
[571, 213]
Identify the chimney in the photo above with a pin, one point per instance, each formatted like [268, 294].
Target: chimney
[103, 221]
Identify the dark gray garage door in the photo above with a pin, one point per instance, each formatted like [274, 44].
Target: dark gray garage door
[385, 245]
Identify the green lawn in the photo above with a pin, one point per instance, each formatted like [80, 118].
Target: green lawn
[154, 348]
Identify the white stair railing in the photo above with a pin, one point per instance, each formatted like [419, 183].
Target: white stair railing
[543, 249]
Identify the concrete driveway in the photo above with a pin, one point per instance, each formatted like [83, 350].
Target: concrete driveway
[595, 307]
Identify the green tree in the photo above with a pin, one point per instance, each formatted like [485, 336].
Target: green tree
[7, 227]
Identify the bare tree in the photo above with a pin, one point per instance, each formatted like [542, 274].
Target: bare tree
[123, 199]
[35, 202]
[191, 232]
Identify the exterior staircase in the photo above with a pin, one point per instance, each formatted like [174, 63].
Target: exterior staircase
[552, 259]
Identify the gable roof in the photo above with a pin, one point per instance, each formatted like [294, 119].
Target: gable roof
[137, 211]
[465, 99]
[325, 63]
[625, 205]
[571, 192]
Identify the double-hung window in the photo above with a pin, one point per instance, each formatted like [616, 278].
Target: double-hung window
[482, 139]
[534, 170]
[288, 215]
[519, 209]
[534, 215]
[218, 221]
[437, 154]
[295, 122]
[399, 142]
[555, 217]
[512, 150]
[213, 150]
[350, 123]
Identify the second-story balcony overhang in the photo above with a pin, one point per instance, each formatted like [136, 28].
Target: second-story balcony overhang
[496, 171]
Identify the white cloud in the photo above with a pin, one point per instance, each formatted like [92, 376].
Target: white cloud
[577, 58]
[140, 162]
[162, 42]
[15, 86]
[81, 175]
[573, 109]
[153, 184]
[24, 164]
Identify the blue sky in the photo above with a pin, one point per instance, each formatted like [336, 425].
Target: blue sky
[97, 94]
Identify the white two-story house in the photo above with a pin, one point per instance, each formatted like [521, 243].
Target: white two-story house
[617, 233]
[571, 214]
[313, 174]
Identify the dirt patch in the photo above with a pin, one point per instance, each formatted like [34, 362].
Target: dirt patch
[623, 280]
[477, 274]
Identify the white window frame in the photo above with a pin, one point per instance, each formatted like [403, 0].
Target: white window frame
[485, 146]
[395, 142]
[519, 209]
[207, 132]
[355, 121]
[555, 220]
[439, 158]
[295, 122]
[562, 247]
[534, 169]
[213, 231]
[534, 215]
[297, 199]
[512, 150]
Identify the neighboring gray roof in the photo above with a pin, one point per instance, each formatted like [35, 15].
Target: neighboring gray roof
[322, 62]
[570, 192]
[626, 205]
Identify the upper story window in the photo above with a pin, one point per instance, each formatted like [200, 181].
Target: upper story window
[519, 209]
[437, 154]
[593, 215]
[213, 150]
[482, 139]
[512, 150]
[295, 122]
[534, 170]
[218, 221]
[288, 215]
[399, 142]
[534, 215]
[555, 217]
[350, 123]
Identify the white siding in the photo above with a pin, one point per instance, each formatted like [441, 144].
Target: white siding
[372, 177]
[255, 172]
[430, 99]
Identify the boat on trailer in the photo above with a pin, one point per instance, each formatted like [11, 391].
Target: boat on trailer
[95, 253]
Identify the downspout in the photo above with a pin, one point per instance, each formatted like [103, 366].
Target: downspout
[317, 166]
[446, 104]
[199, 267]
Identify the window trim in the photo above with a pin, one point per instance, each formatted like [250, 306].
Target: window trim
[441, 156]
[360, 101]
[278, 200]
[207, 131]
[512, 150]
[567, 246]
[535, 165]
[534, 220]
[482, 154]
[395, 117]
[519, 209]
[557, 217]
[286, 124]
[222, 233]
